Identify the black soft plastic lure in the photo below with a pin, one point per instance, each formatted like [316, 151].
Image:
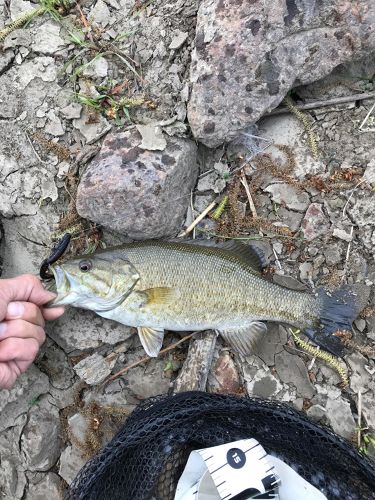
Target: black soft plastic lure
[57, 251]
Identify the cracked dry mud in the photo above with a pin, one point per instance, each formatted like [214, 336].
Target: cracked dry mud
[47, 134]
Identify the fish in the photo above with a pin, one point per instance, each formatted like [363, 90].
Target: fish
[156, 286]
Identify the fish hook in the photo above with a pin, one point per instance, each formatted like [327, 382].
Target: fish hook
[57, 251]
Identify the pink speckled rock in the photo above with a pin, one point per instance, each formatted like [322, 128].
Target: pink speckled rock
[143, 194]
[314, 223]
[250, 53]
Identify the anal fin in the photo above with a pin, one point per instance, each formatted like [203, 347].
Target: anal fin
[244, 339]
[151, 339]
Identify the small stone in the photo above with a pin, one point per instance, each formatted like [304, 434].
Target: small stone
[258, 379]
[271, 344]
[100, 14]
[72, 111]
[224, 377]
[332, 255]
[291, 218]
[47, 40]
[40, 440]
[360, 324]
[314, 223]
[305, 271]
[363, 212]
[92, 132]
[54, 126]
[78, 427]
[134, 191]
[285, 194]
[340, 417]
[316, 412]
[94, 369]
[360, 378]
[178, 40]
[150, 381]
[49, 487]
[342, 235]
[152, 137]
[97, 68]
[291, 369]
[207, 182]
[71, 462]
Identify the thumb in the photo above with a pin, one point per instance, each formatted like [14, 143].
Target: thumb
[26, 288]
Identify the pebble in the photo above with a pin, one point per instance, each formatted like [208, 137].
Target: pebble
[179, 38]
[94, 369]
[340, 417]
[291, 369]
[285, 194]
[305, 271]
[342, 235]
[332, 255]
[71, 462]
[224, 377]
[314, 223]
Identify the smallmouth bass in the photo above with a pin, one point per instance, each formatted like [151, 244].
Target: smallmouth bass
[180, 286]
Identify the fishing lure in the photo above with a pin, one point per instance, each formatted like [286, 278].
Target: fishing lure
[57, 251]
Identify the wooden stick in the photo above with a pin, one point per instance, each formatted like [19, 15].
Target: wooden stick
[249, 197]
[367, 116]
[144, 360]
[359, 418]
[197, 220]
[322, 104]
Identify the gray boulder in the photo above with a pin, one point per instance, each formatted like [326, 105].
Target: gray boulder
[142, 193]
[249, 54]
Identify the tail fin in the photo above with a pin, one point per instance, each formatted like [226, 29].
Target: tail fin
[338, 311]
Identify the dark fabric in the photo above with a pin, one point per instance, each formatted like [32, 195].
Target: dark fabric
[146, 458]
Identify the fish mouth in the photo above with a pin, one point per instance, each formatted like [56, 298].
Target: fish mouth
[60, 285]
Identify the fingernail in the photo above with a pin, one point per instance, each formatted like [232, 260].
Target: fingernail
[15, 310]
[3, 329]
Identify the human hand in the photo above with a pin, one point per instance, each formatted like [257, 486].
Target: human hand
[22, 322]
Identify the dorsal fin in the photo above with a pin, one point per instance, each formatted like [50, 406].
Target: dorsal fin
[252, 255]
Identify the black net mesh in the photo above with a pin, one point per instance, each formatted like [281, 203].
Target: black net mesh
[146, 458]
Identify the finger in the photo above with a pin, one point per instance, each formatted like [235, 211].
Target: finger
[9, 372]
[18, 349]
[26, 287]
[20, 329]
[53, 313]
[26, 311]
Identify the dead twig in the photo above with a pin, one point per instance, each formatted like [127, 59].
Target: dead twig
[367, 116]
[144, 360]
[347, 254]
[359, 437]
[322, 104]
[197, 220]
[249, 197]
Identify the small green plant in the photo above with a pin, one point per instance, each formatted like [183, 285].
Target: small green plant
[368, 441]
[52, 7]
[113, 107]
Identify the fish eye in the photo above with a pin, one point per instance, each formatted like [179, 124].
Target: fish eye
[85, 265]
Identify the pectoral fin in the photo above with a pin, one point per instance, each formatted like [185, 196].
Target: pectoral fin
[159, 295]
[151, 339]
[244, 339]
